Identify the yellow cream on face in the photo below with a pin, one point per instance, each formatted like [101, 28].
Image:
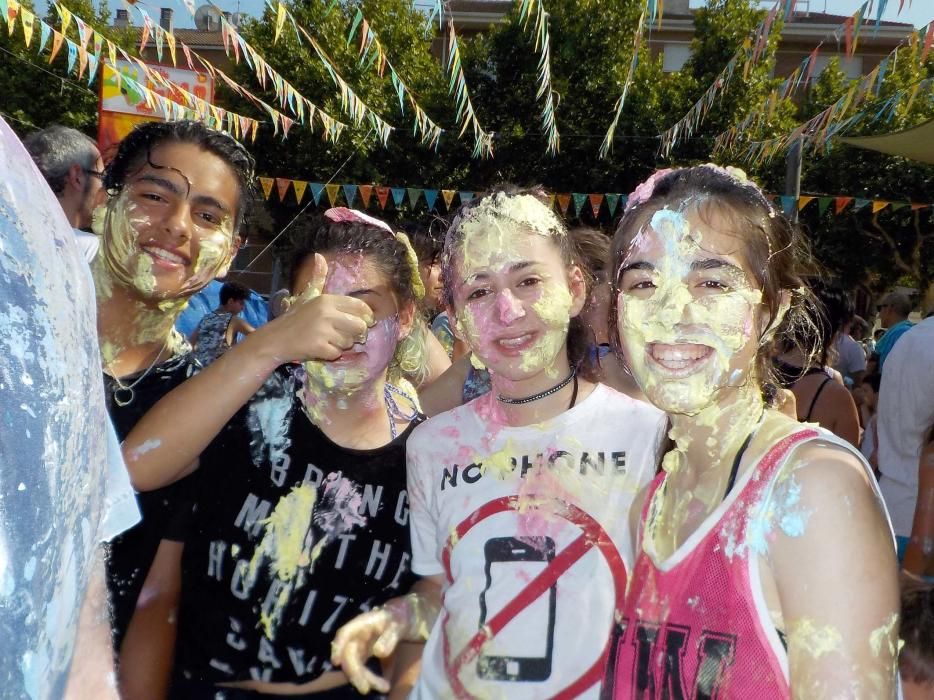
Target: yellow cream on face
[682, 306]
[496, 236]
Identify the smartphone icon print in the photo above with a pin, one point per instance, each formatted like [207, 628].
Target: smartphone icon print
[522, 650]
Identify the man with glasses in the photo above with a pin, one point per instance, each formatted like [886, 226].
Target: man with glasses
[71, 163]
[893, 315]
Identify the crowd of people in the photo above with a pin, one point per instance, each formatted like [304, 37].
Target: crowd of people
[490, 457]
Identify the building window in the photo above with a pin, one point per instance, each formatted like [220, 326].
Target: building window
[675, 56]
[852, 66]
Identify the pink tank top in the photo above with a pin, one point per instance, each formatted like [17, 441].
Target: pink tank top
[692, 627]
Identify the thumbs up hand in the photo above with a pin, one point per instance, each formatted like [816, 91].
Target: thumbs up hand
[318, 326]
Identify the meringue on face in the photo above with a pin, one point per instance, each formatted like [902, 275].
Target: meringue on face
[688, 310]
[513, 301]
[170, 230]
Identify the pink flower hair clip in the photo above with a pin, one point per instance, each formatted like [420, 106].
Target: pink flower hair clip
[644, 190]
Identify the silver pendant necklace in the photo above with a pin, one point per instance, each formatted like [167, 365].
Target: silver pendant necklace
[124, 393]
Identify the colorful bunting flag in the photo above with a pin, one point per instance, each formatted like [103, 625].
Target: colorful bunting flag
[332, 192]
[840, 203]
[366, 192]
[448, 197]
[282, 185]
[788, 204]
[431, 196]
[822, 204]
[350, 194]
[316, 189]
[564, 200]
[299, 186]
[579, 199]
[803, 201]
[465, 196]
[266, 183]
[878, 205]
[414, 194]
[612, 201]
[382, 196]
[595, 201]
[398, 194]
[860, 203]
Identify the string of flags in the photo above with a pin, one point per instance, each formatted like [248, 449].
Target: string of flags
[802, 75]
[457, 86]
[372, 50]
[649, 7]
[610, 204]
[746, 56]
[543, 47]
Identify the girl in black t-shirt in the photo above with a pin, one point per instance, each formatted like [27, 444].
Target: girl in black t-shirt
[301, 516]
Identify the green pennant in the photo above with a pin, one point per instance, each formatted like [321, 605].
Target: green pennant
[822, 204]
[860, 203]
[895, 206]
[414, 194]
[612, 201]
[579, 199]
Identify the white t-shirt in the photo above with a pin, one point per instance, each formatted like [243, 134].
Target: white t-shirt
[494, 506]
[851, 357]
[57, 472]
[88, 244]
[904, 420]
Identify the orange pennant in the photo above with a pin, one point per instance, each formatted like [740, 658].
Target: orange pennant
[595, 201]
[56, 44]
[366, 192]
[804, 200]
[878, 205]
[282, 185]
[332, 191]
[840, 203]
[916, 206]
[448, 196]
[564, 201]
[382, 195]
[266, 184]
[299, 187]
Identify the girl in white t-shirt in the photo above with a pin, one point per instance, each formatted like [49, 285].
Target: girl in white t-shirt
[519, 499]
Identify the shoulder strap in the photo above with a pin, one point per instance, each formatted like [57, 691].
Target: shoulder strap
[814, 400]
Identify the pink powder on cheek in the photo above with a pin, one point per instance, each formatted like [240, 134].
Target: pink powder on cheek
[343, 277]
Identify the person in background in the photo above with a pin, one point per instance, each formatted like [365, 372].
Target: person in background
[64, 488]
[850, 356]
[916, 658]
[71, 163]
[894, 310]
[218, 330]
[178, 194]
[905, 419]
[866, 395]
[820, 394]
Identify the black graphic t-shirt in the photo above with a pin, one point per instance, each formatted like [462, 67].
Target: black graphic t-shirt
[165, 511]
[293, 536]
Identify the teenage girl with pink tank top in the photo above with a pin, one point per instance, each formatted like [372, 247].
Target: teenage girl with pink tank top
[765, 563]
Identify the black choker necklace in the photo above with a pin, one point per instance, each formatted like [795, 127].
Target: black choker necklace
[535, 397]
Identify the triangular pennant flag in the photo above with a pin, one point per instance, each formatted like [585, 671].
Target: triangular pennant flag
[282, 186]
[29, 21]
[332, 190]
[316, 189]
[840, 203]
[579, 199]
[563, 201]
[448, 197]
[266, 183]
[72, 54]
[366, 193]
[822, 204]
[899, 205]
[860, 203]
[92, 67]
[551, 201]
[622, 201]
[56, 44]
[299, 187]
[350, 194]
[465, 196]
[878, 205]
[382, 196]
[612, 201]
[12, 11]
[45, 31]
[804, 200]
[82, 60]
[917, 206]
[431, 196]
[414, 193]
[595, 201]
[65, 15]
[788, 203]
[398, 194]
